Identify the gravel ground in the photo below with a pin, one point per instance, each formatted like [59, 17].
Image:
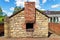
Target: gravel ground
[52, 37]
[29, 38]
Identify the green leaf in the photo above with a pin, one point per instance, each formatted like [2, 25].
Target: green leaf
[16, 9]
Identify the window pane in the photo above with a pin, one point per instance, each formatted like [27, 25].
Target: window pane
[57, 19]
[50, 19]
[54, 20]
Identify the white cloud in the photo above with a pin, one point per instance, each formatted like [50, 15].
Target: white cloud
[42, 9]
[12, 8]
[21, 3]
[4, 11]
[55, 6]
[8, 13]
[44, 1]
[6, 0]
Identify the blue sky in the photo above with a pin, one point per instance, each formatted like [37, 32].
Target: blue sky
[8, 5]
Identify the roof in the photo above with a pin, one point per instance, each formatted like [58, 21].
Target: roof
[23, 9]
[52, 12]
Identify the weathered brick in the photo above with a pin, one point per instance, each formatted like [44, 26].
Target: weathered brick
[29, 12]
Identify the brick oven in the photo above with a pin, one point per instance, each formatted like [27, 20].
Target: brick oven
[28, 22]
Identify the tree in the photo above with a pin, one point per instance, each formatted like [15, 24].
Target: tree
[4, 14]
[1, 13]
[16, 9]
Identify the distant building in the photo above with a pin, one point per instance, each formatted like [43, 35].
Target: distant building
[54, 16]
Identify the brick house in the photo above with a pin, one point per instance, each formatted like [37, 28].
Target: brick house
[28, 22]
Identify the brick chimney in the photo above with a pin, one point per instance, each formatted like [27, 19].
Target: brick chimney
[29, 12]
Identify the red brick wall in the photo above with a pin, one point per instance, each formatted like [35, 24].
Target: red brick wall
[29, 12]
[55, 27]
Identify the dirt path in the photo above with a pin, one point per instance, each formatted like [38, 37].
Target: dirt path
[52, 37]
[29, 38]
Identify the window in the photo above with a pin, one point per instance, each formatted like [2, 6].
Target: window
[29, 27]
[53, 19]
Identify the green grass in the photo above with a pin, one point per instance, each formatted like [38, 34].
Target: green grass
[1, 17]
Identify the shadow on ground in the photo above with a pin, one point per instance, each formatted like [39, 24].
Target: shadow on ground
[1, 34]
[49, 34]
